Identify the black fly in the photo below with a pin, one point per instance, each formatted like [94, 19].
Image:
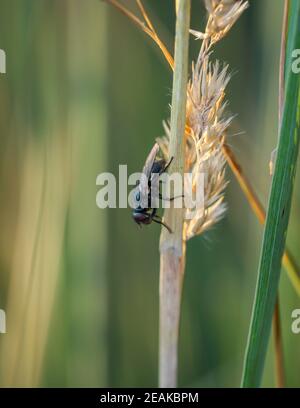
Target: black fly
[146, 214]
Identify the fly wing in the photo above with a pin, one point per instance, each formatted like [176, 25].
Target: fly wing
[143, 185]
[150, 160]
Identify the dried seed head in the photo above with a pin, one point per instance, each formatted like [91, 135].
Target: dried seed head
[205, 127]
[222, 16]
[206, 120]
[207, 124]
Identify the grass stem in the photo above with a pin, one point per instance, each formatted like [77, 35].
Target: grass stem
[172, 247]
[278, 213]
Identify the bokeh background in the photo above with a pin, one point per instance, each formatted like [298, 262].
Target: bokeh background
[85, 91]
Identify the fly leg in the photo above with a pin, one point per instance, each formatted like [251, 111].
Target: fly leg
[158, 220]
[166, 166]
[153, 214]
[171, 198]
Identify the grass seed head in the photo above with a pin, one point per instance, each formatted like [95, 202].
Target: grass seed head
[206, 118]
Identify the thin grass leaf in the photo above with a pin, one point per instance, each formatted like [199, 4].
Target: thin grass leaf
[277, 216]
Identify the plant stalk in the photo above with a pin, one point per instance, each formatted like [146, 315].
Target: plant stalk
[277, 220]
[276, 326]
[172, 247]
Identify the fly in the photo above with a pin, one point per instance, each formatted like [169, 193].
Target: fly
[146, 214]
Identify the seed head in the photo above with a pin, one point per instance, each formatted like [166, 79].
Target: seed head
[206, 118]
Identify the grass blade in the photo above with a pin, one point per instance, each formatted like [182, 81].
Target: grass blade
[277, 215]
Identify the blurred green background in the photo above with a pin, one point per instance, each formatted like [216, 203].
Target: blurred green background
[85, 91]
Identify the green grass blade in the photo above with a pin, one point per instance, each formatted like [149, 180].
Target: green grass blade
[277, 216]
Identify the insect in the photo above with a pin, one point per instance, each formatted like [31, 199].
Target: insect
[147, 214]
